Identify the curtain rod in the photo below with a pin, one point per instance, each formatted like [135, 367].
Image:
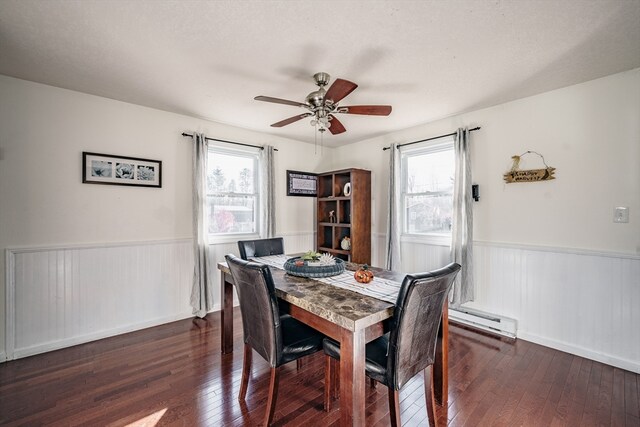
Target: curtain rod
[428, 139]
[228, 142]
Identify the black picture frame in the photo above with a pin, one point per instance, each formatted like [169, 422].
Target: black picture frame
[302, 184]
[109, 169]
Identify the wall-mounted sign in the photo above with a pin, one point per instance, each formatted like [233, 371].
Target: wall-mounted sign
[303, 184]
[528, 175]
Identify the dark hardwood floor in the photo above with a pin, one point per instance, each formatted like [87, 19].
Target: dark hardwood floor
[175, 375]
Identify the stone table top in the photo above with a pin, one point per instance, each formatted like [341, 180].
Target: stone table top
[343, 307]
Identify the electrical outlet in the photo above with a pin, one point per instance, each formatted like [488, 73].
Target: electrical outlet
[621, 214]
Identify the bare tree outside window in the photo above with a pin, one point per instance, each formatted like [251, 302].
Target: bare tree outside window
[232, 200]
[427, 194]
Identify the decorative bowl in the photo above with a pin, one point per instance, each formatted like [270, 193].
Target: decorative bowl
[313, 271]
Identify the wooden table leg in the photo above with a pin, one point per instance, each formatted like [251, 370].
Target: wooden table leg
[226, 314]
[440, 377]
[352, 378]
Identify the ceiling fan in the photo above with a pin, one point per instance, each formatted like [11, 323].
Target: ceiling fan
[323, 104]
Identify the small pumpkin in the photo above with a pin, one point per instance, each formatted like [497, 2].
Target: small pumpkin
[363, 274]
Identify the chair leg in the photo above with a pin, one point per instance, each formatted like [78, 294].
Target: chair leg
[372, 383]
[429, 396]
[298, 364]
[273, 394]
[246, 371]
[335, 380]
[328, 384]
[394, 407]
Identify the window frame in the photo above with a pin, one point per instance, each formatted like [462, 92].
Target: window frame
[251, 153]
[431, 147]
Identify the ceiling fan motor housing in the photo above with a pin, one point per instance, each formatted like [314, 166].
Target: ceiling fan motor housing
[316, 98]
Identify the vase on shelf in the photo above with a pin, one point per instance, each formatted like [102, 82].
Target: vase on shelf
[347, 189]
[345, 244]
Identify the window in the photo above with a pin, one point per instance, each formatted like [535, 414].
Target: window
[427, 189]
[232, 192]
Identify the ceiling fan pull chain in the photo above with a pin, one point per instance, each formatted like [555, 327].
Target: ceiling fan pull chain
[315, 139]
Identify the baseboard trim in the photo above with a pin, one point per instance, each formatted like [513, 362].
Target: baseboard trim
[617, 362]
[83, 339]
[70, 342]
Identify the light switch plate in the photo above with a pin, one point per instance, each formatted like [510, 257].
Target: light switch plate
[621, 214]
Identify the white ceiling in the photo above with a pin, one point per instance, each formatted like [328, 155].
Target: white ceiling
[208, 59]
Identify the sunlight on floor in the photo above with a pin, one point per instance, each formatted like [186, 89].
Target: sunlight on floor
[149, 420]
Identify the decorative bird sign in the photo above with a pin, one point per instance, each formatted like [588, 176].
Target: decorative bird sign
[516, 163]
[531, 175]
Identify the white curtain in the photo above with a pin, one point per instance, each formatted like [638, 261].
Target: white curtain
[462, 233]
[268, 198]
[201, 293]
[393, 218]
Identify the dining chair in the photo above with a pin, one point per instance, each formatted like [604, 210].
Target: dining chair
[261, 247]
[409, 347]
[279, 339]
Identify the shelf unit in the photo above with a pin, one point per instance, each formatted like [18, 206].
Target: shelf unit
[352, 214]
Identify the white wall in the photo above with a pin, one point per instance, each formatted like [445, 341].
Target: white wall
[43, 203]
[590, 132]
[548, 253]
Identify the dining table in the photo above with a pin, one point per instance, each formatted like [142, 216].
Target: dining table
[349, 317]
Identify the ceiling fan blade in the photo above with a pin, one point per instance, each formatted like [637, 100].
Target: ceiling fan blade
[369, 110]
[336, 126]
[280, 101]
[339, 89]
[290, 120]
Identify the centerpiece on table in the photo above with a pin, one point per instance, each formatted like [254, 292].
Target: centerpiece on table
[314, 264]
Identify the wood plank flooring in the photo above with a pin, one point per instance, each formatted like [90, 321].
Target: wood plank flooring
[175, 375]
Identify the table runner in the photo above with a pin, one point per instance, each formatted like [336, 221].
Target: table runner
[382, 289]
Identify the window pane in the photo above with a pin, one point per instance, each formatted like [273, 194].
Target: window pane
[230, 173]
[428, 214]
[428, 180]
[430, 172]
[231, 214]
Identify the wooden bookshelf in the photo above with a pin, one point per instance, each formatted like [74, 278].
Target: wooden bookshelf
[352, 214]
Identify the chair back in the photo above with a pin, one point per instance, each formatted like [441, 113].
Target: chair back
[261, 247]
[259, 307]
[416, 320]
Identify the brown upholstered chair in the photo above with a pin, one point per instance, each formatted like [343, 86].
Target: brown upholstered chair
[261, 247]
[409, 347]
[279, 339]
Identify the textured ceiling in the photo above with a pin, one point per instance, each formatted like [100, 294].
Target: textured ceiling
[428, 59]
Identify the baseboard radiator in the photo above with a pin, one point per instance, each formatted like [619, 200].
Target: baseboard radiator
[487, 322]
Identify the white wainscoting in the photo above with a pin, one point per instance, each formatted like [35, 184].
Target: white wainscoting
[582, 302]
[577, 301]
[62, 296]
[66, 295]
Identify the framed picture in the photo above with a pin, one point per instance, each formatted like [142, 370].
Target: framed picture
[303, 184]
[120, 170]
